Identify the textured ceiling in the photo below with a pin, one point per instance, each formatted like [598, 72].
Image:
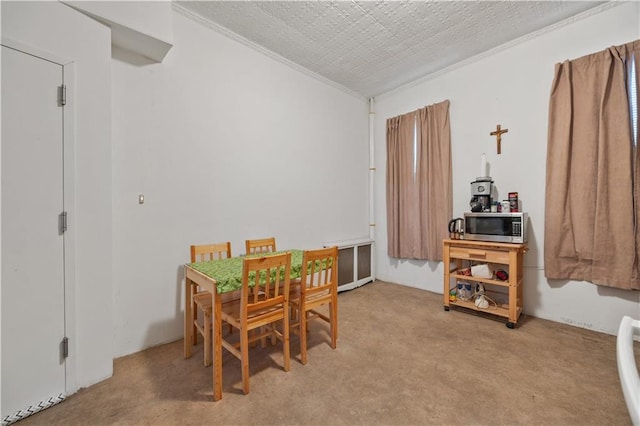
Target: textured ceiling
[370, 47]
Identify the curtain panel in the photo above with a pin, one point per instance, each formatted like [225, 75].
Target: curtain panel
[591, 206]
[419, 182]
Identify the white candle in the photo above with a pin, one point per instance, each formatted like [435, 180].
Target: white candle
[483, 165]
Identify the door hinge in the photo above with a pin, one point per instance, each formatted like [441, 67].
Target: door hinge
[62, 222]
[62, 95]
[65, 347]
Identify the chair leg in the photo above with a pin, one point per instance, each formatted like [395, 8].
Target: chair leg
[263, 341]
[207, 339]
[194, 317]
[285, 340]
[302, 323]
[273, 334]
[333, 316]
[244, 360]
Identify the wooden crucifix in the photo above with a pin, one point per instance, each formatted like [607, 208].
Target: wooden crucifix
[498, 134]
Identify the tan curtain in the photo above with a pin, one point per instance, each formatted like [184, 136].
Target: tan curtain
[590, 207]
[419, 182]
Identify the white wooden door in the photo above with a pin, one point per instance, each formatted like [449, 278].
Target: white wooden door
[33, 322]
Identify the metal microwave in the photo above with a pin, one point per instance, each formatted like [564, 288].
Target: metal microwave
[496, 227]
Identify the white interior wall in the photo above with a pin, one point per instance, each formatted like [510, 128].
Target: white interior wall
[67, 34]
[511, 87]
[226, 144]
[184, 136]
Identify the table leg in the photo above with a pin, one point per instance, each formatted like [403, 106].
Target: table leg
[217, 347]
[188, 323]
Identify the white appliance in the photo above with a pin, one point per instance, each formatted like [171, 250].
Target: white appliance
[627, 369]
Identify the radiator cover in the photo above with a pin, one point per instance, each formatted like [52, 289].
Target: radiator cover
[355, 262]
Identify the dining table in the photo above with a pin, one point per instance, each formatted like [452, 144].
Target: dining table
[218, 277]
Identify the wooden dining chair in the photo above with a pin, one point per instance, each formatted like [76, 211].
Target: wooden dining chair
[263, 306]
[202, 300]
[263, 245]
[318, 286]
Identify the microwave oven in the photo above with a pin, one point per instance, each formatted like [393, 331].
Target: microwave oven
[496, 227]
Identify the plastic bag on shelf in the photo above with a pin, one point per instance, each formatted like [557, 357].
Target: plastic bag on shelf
[481, 271]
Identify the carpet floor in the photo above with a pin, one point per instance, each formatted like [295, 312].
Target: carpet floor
[401, 360]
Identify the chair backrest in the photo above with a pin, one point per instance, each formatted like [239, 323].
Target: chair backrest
[265, 282]
[201, 253]
[263, 245]
[319, 271]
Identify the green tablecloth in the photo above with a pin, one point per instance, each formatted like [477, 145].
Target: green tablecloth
[228, 272]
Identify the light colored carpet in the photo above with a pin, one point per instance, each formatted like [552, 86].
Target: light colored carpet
[401, 360]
